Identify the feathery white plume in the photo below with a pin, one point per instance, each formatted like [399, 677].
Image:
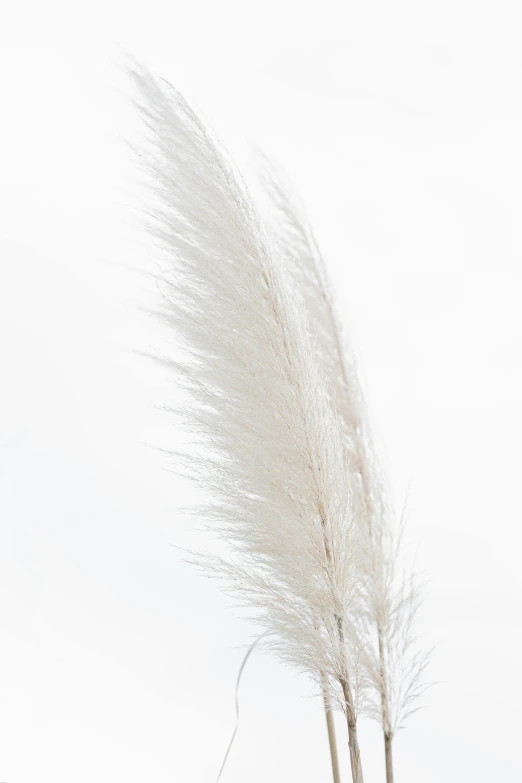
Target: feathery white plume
[273, 448]
[388, 597]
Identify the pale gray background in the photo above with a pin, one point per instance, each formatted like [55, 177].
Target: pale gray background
[401, 125]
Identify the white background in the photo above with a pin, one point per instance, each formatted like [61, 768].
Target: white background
[401, 125]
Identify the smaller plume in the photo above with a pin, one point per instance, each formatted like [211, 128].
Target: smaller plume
[383, 621]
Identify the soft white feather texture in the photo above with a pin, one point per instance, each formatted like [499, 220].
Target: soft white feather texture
[272, 456]
[393, 660]
[388, 597]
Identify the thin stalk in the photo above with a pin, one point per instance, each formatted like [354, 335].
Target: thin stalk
[351, 720]
[353, 742]
[355, 755]
[385, 713]
[385, 704]
[331, 732]
[389, 758]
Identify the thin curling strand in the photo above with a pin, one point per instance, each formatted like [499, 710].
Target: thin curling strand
[270, 450]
